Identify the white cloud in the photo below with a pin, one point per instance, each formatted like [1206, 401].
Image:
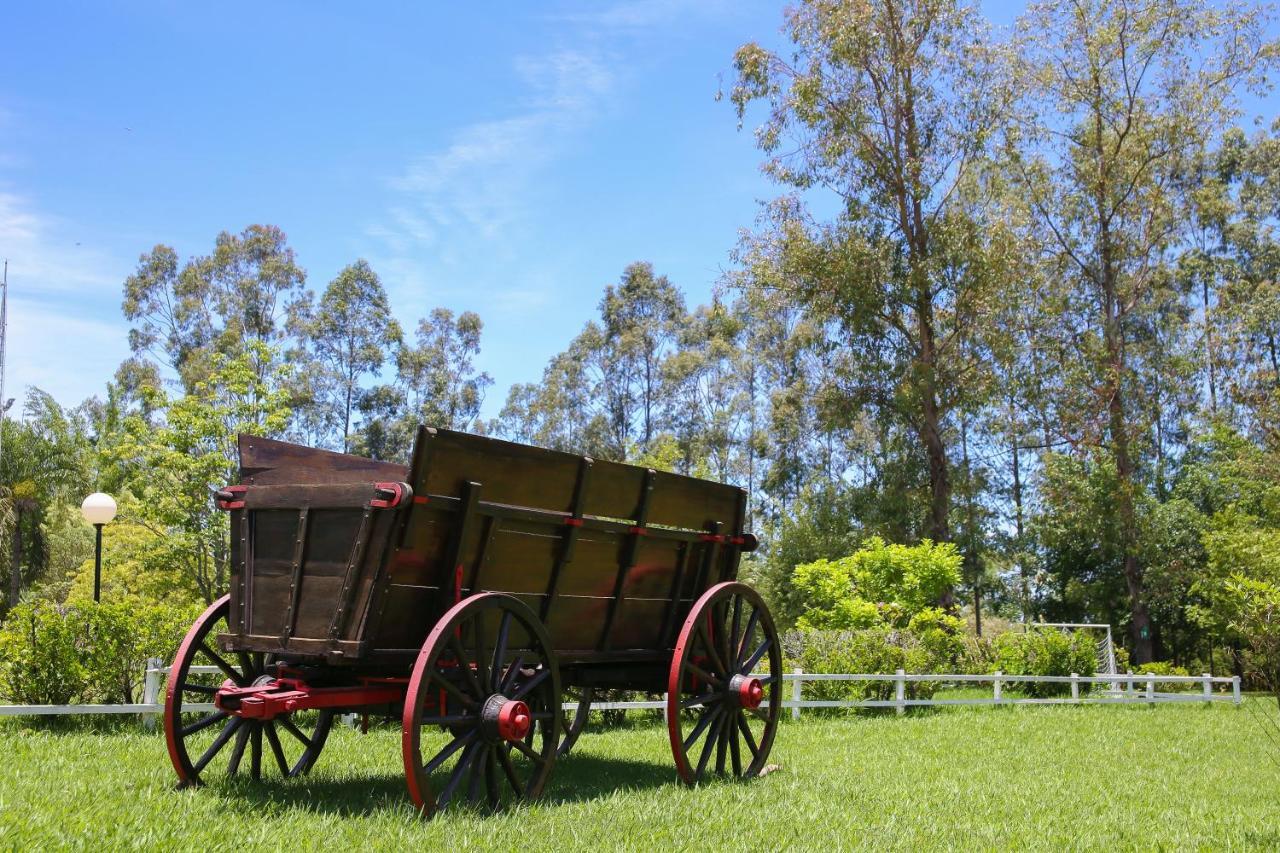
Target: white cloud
[472, 196]
[57, 337]
[37, 252]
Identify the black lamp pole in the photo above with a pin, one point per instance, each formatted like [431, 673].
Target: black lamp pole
[97, 564]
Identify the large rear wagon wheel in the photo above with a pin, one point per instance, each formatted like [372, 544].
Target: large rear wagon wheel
[725, 686]
[482, 716]
[203, 739]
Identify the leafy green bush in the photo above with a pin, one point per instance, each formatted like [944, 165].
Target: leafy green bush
[879, 584]
[932, 643]
[68, 654]
[1164, 667]
[1045, 653]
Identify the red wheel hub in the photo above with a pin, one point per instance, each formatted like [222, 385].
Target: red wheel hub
[514, 720]
[749, 690]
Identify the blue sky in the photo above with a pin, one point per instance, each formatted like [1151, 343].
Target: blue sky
[508, 158]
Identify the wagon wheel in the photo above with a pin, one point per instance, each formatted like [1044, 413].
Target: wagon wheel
[483, 707]
[573, 725]
[199, 738]
[725, 686]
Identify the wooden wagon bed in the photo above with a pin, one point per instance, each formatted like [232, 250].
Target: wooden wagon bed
[359, 583]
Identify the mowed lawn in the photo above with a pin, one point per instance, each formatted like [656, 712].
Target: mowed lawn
[1109, 776]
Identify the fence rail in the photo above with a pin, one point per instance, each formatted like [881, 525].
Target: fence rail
[1120, 689]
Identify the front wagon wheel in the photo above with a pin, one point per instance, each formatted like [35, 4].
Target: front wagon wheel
[203, 739]
[725, 686]
[482, 716]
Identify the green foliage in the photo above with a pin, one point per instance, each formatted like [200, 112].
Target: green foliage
[879, 583]
[173, 469]
[85, 652]
[1046, 652]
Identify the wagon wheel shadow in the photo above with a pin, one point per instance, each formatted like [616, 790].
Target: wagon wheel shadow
[576, 778]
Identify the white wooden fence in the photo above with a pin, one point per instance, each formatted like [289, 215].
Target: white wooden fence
[1120, 689]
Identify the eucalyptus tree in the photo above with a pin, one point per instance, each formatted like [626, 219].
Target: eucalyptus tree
[242, 292]
[1117, 96]
[348, 337]
[885, 107]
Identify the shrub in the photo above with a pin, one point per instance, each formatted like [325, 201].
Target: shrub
[1164, 667]
[1045, 653]
[67, 654]
[933, 643]
[878, 583]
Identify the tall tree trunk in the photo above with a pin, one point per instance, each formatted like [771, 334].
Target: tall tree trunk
[1024, 573]
[15, 558]
[1210, 361]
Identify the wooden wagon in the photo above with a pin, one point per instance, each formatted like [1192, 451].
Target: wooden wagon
[473, 595]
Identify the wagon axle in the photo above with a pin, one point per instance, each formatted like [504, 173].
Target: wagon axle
[274, 697]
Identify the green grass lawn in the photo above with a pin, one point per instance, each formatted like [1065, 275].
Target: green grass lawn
[1184, 775]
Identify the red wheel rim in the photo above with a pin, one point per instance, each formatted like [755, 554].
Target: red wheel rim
[723, 703]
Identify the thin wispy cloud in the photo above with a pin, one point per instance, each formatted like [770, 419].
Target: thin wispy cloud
[479, 185]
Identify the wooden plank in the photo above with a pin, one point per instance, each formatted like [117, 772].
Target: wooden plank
[265, 461]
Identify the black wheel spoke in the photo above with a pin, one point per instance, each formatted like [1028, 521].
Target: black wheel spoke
[722, 746]
[278, 751]
[220, 662]
[455, 778]
[755, 656]
[449, 749]
[525, 689]
[708, 717]
[465, 665]
[745, 728]
[509, 770]
[447, 720]
[288, 726]
[747, 633]
[203, 723]
[219, 742]
[513, 672]
[734, 639]
[452, 689]
[709, 746]
[712, 651]
[500, 650]
[704, 699]
[237, 751]
[491, 778]
[482, 658]
[735, 748]
[255, 752]
[204, 689]
[246, 666]
[713, 680]
[529, 751]
[478, 765]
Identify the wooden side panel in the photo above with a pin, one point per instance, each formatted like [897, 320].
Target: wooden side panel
[265, 461]
[519, 475]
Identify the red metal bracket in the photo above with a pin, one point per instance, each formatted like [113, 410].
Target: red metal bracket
[230, 497]
[392, 494]
[638, 531]
[573, 522]
[712, 537]
[286, 695]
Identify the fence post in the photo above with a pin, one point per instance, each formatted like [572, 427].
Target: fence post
[1075, 687]
[797, 687]
[1129, 690]
[666, 707]
[1235, 689]
[151, 691]
[1208, 687]
[900, 692]
[1151, 689]
[998, 688]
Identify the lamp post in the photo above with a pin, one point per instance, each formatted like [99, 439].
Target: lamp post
[98, 509]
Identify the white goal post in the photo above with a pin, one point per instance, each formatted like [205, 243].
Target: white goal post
[1106, 650]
